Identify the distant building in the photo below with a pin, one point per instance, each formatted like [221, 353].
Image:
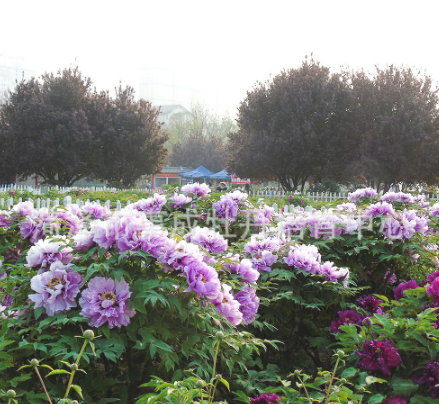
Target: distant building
[168, 175]
[164, 86]
[167, 112]
[12, 70]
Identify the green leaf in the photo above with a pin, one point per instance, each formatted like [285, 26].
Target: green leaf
[78, 390]
[225, 382]
[58, 372]
[152, 350]
[349, 372]
[376, 399]
[403, 386]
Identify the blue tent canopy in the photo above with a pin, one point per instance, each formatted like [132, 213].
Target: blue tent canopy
[200, 172]
[221, 175]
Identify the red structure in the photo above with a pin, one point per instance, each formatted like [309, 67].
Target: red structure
[169, 175]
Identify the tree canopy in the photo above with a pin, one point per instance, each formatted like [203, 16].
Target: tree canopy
[397, 120]
[62, 130]
[199, 137]
[308, 124]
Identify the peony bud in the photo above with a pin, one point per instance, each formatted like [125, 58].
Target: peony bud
[89, 335]
[34, 363]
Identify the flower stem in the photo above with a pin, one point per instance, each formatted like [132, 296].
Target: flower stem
[72, 375]
[328, 391]
[212, 389]
[306, 391]
[42, 383]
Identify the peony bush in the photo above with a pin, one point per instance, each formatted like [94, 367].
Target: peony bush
[159, 279]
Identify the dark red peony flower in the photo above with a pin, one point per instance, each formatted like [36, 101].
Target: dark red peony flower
[430, 378]
[266, 399]
[396, 400]
[399, 291]
[370, 303]
[379, 355]
[346, 317]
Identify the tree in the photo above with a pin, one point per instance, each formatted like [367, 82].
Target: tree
[295, 127]
[196, 150]
[45, 129]
[130, 141]
[199, 137]
[397, 119]
[63, 131]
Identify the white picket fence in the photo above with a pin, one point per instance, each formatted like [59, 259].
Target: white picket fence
[39, 203]
[38, 190]
[314, 196]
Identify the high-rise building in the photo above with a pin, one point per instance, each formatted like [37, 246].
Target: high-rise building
[166, 86]
[12, 70]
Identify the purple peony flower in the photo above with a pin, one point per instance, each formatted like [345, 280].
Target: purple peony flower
[361, 194]
[346, 317]
[244, 268]
[346, 207]
[430, 378]
[151, 206]
[258, 217]
[23, 208]
[249, 304]
[161, 247]
[56, 289]
[263, 260]
[196, 190]
[256, 245]
[399, 291]
[379, 355]
[380, 208]
[47, 251]
[434, 210]
[211, 240]
[129, 232]
[187, 254]
[5, 219]
[227, 306]
[433, 290]
[266, 399]
[431, 277]
[399, 227]
[239, 197]
[104, 233]
[226, 208]
[395, 400]
[106, 301]
[397, 197]
[74, 209]
[333, 274]
[306, 257]
[72, 222]
[179, 201]
[83, 240]
[202, 279]
[370, 304]
[39, 224]
[93, 210]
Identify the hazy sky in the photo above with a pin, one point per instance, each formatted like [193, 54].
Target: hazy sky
[226, 45]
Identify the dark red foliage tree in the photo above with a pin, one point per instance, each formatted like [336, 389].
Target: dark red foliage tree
[397, 119]
[294, 128]
[130, 142]
[61, 130]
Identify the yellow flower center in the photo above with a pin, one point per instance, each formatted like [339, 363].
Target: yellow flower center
[56, 280]
[109, 296]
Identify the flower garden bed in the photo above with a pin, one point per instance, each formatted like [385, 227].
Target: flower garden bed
[200, 297]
